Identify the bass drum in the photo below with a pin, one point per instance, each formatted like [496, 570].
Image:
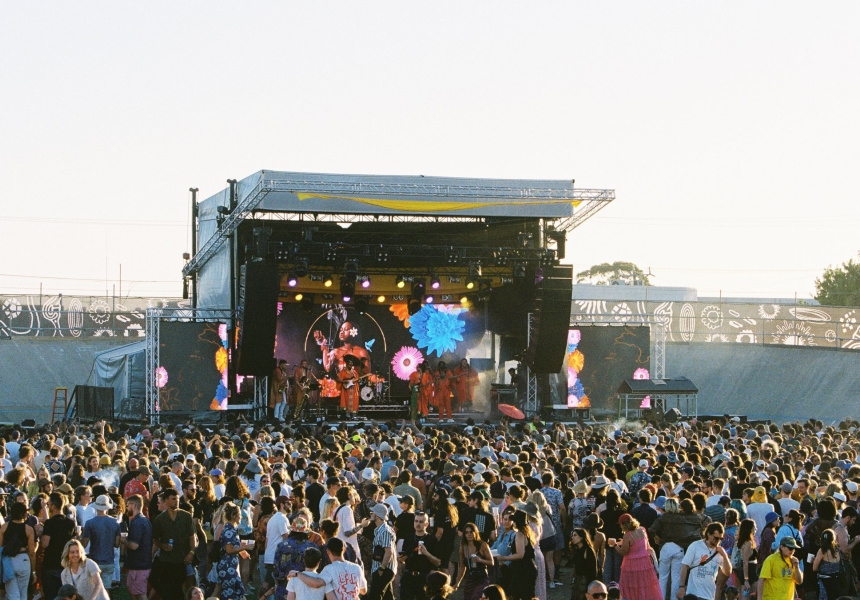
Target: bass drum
[368, 394]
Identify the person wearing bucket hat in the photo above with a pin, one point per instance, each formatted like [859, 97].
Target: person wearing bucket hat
[101, 533]
[780, 572]
[758, 509]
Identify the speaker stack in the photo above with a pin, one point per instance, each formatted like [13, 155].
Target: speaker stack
[548, 342]
[257, 314]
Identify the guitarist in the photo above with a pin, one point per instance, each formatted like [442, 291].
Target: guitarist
[348, 377]
[302, 378]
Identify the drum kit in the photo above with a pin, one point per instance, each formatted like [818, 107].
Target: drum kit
[373, 388]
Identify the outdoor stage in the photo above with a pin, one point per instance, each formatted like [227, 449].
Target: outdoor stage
[365, 278]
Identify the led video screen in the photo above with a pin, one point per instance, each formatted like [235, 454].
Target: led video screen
[192, 375]
[598, 360]
[392, 341]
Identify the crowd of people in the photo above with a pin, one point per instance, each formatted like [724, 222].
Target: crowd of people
[694, 510]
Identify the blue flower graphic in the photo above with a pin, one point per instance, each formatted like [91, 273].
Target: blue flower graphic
[437, 331]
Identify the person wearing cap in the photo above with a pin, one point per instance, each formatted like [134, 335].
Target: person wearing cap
[66, 592]
[780, 573]
[289, 551]
[786, 502]
[383, 568]
[404, 523]
[101, 533]
[639, 479]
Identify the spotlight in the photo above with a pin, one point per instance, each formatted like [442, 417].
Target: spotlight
[301, 267]
[464, 300]
[346, 299]
[347, 287]
[292, 280]
[327, 281]
[434, 282]
[365, 282]
[428, 299]
[401, 283]
[361, 304]
[470, 284]
[418, 287]
[380, 298]
[413, 306]
[299, 296]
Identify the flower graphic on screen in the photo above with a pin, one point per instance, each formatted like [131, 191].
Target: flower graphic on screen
[576, 360]
[160, 377]
[406, 361]
[641, 373]
[437, 331]
[401, 311]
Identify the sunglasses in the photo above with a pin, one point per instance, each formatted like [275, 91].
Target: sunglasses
[598, 595]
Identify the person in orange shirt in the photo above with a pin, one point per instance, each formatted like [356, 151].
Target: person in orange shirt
[425, 394]
[442, 389]
[348, 377]
[465, 380]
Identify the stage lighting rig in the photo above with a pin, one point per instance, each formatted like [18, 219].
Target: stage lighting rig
[434, 282]
[301, 267]
[418, 287]
[292, 280]
[365, 281]
[400, 282]
[327, 281]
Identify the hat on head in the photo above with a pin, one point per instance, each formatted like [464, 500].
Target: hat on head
[531, 509]
[479, 468]
[66, 488]
[643, 464]
[477, 479]
[380, 510]
[581, 487]
[673, 458]
[839, 496]
[786, 488]
[851, 487]
[600, 482]
[660, 502]
[144, 470]
[67, 590]
[103, 502]
[788, 542]
[300, 525]
[216, 472]
[759, 495]
[653, 440]
[625, 518]
[253, 466]
[770, 518]
[368, 473]
[485, 452]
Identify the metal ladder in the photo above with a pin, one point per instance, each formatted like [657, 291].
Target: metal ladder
[60, 393]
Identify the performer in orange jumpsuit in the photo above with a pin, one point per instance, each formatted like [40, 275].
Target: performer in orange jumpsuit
[425, 394]
[465, 380]
[348, 377]
[442, 389]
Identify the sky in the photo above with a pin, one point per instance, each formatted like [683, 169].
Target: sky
[728, 130]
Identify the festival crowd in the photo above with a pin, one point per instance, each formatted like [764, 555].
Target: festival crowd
[705, 509]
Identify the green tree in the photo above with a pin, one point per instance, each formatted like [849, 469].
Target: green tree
[606, 274]
[839, 286]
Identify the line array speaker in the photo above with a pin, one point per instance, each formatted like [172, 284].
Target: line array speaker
[548, 342]
[257, 314]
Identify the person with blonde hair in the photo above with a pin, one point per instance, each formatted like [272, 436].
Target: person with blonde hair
[638, 578]
[82, 573]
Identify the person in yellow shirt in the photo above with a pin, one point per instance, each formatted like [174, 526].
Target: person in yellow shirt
[780, 573]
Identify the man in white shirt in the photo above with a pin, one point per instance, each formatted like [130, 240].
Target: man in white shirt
[346, 518]
[700, 564]
[297, 589]
[277, 531]
[342, 580]
[786, 502]
[13, 446]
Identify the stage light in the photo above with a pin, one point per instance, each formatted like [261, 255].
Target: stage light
[299, 296]
[418, 287]
[292, 280]
[347, 287]
[464, 300]
[346, 299]
[470, 284]
[401, 283]
[428, 299]
[413, 306]
[365, 282]
[301, 267]
[327, 281]
[361, 304]
[434, 282]
[380, 298]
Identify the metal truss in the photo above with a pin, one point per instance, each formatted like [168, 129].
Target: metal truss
[594, 200]
[657, 323]
[531, 406]
[591, 202]
[361, 218]
[261, 397]
[154, 317]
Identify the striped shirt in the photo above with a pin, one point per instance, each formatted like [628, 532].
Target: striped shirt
[384, 537]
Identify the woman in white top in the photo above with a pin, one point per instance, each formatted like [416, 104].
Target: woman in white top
[81, 572]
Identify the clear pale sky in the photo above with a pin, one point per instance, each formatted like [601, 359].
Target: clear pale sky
[729, 130]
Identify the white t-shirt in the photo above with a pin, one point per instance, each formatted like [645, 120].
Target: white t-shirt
[713, 500]
[757, 511]
[345, 579]
[701, 581]
[788, 504]
[277, 526]
[303, 591]
[219, 490]
[346, 518]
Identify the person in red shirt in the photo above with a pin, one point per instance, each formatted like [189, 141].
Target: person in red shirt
[442, 389]
[137, 486]
[465, 380]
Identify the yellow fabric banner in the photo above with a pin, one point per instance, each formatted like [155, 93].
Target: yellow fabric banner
[431, 206]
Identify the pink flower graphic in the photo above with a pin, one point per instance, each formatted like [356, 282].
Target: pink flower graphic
[406, 361]
[160, 377]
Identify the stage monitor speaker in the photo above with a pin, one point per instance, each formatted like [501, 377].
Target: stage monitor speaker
[259, 287]
[673, 415]
[548, 346]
